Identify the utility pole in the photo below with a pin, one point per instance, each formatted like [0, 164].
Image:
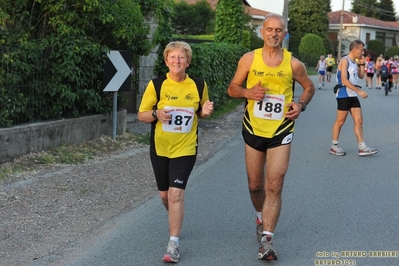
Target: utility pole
[285, 15]
[340, 31]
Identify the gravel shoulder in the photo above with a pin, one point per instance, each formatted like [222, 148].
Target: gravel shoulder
[45, 211]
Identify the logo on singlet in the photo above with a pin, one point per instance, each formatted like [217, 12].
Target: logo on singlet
[281, 74]
[169, 97]
[287, 139]
[189, 97]
[258, 73]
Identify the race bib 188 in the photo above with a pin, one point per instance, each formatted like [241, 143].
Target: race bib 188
[271, 107]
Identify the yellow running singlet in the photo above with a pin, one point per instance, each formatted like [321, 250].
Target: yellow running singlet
[266, 118]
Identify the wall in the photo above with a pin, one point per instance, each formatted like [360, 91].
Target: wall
[147, 63]
[36, 137]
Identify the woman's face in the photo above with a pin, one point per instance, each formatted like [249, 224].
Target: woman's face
[177, 61]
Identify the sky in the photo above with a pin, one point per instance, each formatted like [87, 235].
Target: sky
[276, 6]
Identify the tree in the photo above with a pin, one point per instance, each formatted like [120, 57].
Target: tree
[382, 9]
[328, 6]
[392, 51]
[256, 41]
[230, 21]
[311, 44]
[310, 49]
[367, 8]
[62, 45]
[308, 17]
[386, 10]
[193, 19]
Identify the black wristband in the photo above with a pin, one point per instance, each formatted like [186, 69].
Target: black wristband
[154, 114]
[303, 106]
[361, 64]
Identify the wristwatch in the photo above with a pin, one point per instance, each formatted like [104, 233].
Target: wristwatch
[154, 114]
[303, 106]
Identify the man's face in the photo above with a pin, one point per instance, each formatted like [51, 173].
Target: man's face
[359, 51]
[273, 31]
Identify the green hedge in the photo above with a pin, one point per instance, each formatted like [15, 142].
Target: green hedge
[52, 53]
[392, 51]
[216, 63]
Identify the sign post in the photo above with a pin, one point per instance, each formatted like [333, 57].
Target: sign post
[117, 77]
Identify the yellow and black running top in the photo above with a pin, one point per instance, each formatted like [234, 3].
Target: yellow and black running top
[179, 137]
[266, 118]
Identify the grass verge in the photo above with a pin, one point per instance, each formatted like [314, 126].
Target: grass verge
[88, 150]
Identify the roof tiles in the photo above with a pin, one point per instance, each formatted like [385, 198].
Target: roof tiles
[335, 18]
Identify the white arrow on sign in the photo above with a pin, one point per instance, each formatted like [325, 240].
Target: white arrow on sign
[122, 71]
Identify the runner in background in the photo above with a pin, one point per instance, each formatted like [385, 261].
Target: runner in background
[378, 73]
[321, 70]
[395, 71]
[388, 62]
[349, 72]
[330, 64]
[370, 68]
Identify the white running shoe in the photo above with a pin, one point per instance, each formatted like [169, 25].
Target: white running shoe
[367, 151]
[259, 229]
[337, 150]
[266, 250]
[172, 252]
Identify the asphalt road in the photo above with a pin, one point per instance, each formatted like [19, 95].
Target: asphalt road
[334, 207]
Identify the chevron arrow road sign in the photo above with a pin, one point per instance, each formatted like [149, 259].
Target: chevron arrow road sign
[117, 72]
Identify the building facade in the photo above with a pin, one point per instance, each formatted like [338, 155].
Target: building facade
[355, 26]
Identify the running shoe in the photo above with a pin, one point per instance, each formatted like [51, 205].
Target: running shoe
[172, 252]
[367, 151]
[259, 229]
[266, 251]
[337, 150]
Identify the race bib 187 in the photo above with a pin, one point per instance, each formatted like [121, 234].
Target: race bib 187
[182, 119]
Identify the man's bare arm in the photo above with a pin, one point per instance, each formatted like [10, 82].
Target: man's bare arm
[300, 75]
[236, 90]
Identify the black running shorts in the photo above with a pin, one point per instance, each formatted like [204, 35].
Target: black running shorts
[345, 104]
[172, 172]
[262, 144]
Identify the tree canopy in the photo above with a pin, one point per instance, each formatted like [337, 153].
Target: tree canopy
[365, 8]
[66, 43]
[382, 10]
[195, 19]
[310, 49]
[230, 21]
[308, 17]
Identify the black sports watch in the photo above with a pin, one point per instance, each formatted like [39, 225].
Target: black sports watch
[154, 114]
[303, 106]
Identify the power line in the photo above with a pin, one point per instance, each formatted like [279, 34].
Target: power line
[375, 8]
